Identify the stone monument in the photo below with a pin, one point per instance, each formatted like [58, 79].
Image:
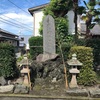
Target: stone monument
[49, 49]
[49, 35]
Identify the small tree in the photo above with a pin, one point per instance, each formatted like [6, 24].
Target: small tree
[58, 9]
[7, 61]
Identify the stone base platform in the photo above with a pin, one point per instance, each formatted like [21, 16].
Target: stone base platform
[32, 97]
[77, 92]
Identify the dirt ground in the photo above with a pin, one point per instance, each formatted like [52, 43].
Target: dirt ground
[46, 88]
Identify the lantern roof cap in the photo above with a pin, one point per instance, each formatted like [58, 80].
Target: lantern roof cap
[74, 61]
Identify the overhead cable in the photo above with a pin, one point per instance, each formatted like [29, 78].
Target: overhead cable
[15, 23]
[18, 7]
[28, 2]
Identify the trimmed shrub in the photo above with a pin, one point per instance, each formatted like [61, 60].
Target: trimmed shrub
[36, 46]
[7, 61]
[84, 54]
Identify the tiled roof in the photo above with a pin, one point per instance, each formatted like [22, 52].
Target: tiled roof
[31, 10]
[7, 35]
[4, 31]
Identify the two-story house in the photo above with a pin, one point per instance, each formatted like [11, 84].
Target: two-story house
[6, 36]
[13, 39]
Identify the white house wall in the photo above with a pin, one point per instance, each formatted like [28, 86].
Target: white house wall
[37, 18]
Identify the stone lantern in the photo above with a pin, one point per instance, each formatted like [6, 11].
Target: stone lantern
[25, 71]
[26, 76]
[74, 63]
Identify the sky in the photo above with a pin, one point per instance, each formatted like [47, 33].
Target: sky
[15, 18]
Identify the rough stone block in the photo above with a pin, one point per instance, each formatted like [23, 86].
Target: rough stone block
[7, 89]
[3, 81]
[95, 93]
[77, 92]
[44, 57]
[21, 89]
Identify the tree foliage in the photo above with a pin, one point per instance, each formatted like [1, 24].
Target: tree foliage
[61, 28]
[91, 15]
[7, 61]
[58, 8]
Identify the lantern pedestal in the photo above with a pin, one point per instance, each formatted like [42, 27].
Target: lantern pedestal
[73, 83]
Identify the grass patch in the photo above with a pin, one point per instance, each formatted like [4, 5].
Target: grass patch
[37, 87]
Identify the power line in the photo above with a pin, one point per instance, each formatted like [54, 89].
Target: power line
[9, 23]
[16, 20]
[15, 23]
[28, 2]
[18, 6]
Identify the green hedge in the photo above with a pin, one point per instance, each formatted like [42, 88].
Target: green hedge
[84, 54]
[7, 61]
[95, 44]
[34, 43]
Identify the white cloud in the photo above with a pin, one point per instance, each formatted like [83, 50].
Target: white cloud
[21, 17]
[25, 19]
